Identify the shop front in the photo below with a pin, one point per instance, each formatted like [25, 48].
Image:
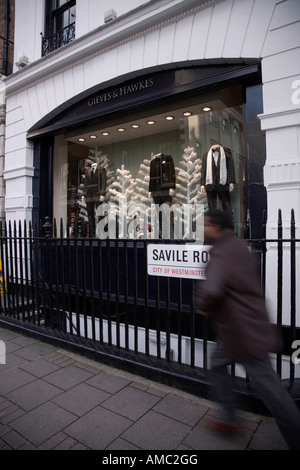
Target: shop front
[138, 162]
[144, 158]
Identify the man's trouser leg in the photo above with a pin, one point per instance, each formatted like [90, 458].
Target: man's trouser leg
[211, 199]
[276, 398]
[222, 384]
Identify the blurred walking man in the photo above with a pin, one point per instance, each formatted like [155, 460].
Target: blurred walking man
[231, 296]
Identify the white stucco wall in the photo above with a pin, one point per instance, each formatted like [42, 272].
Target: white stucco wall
[281, 118]
[281, 122]
[159, 35]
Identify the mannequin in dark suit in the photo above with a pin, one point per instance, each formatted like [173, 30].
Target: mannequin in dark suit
[94, 188]
[217, 177]
[162, 182]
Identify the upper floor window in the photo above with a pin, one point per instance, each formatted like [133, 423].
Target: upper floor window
[59, 24]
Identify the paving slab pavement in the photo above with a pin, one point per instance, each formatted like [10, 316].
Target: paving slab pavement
[54, 399]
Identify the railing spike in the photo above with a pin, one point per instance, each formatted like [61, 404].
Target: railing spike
[292, 217]
[54, 228]
[61, 228]
[293, 226]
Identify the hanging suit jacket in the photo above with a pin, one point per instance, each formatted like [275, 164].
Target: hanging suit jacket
[162, 174]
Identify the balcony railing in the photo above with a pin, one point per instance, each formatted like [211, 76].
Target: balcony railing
[58, 39]
[6, 56]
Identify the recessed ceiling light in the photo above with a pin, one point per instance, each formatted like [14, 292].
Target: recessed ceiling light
[187, 113]
[150, 122]
[135, 126]
[81, 139]
[206, 108]
[93, 136]
[169, 118]
[105, 133]
[121, 129]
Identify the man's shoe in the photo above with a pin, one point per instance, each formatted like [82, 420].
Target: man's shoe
[224, 427]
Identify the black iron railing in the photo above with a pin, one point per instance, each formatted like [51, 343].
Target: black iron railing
[96, 295]
[6, 56]
[58, 39]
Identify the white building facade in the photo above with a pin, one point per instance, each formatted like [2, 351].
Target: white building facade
[127, 64]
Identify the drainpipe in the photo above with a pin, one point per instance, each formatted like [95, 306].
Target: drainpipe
[5, 68]
[5, 60]
[2, 151]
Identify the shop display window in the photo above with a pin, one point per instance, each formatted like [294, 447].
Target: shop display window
[153, 174]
